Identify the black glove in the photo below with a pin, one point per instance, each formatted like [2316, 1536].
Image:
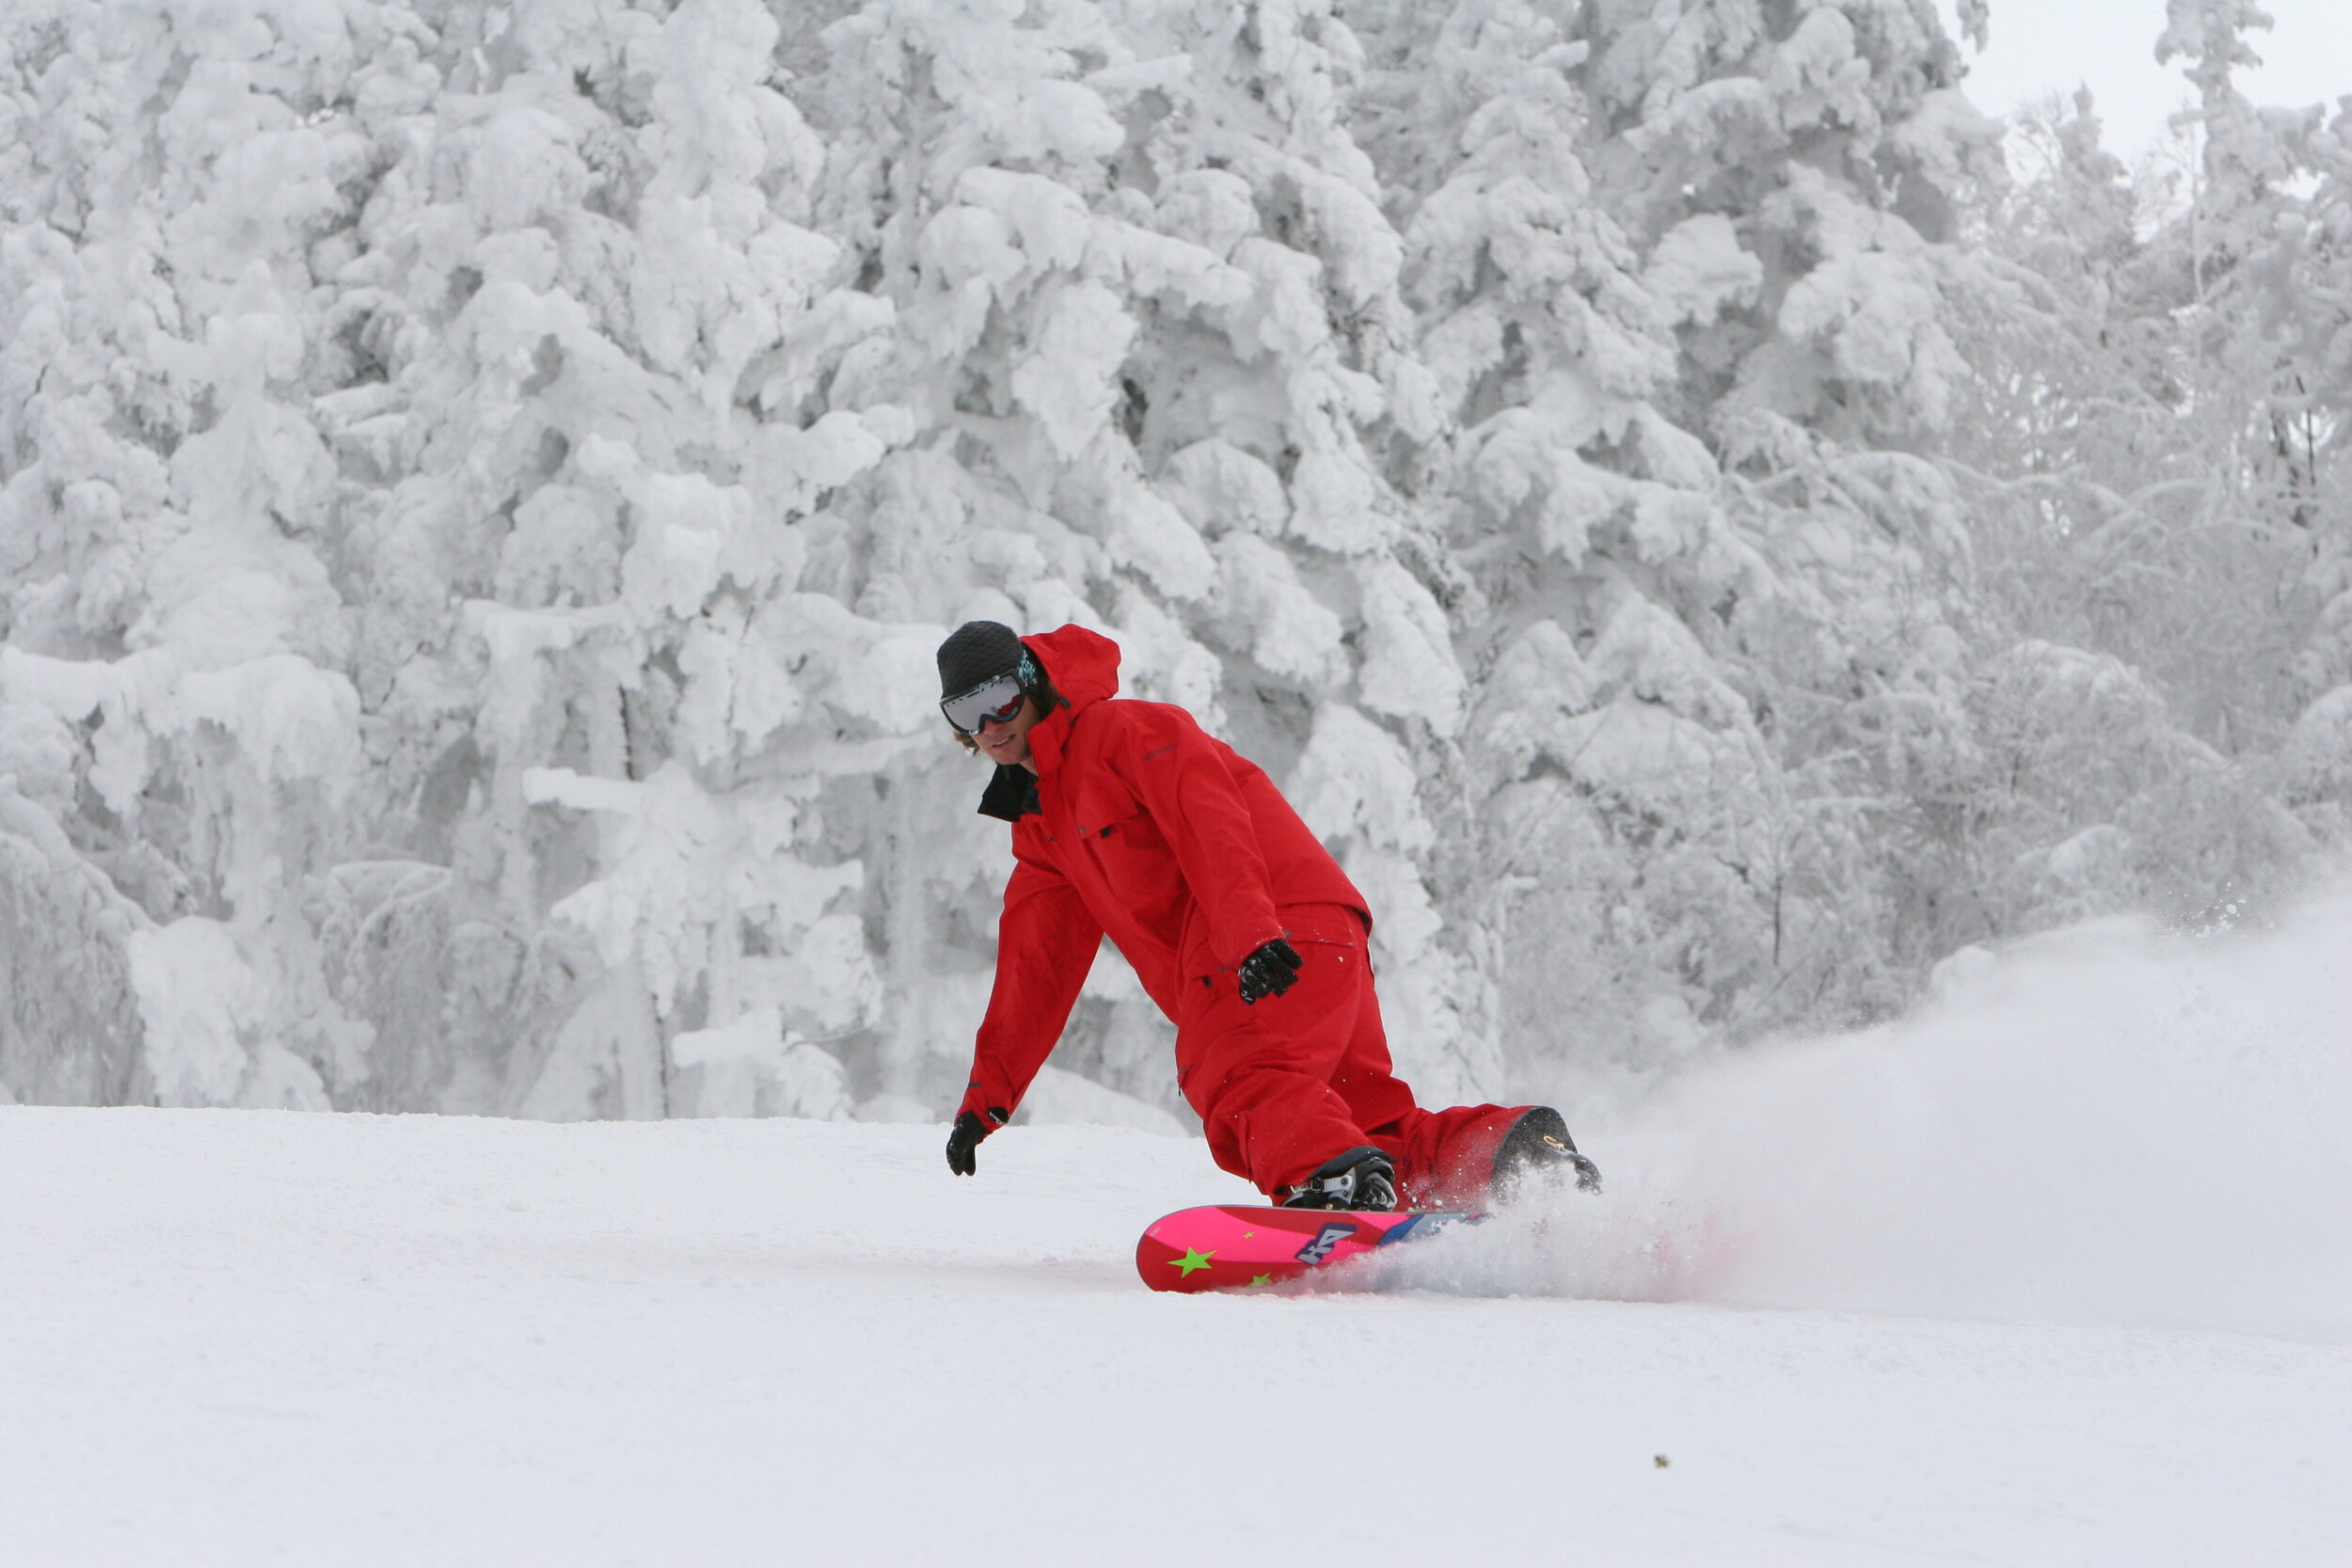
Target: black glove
[967, 1134]
[1270, 971]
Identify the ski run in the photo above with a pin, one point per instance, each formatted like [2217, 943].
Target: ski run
[2052, 1273]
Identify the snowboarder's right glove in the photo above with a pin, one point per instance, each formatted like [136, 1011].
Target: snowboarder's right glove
[967, 1134]
[1270, 971]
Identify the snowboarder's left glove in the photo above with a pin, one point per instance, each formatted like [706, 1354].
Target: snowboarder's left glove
[965, 1137]
[1270, 971]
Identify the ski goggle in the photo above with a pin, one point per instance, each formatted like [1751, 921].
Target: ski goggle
[997, 697]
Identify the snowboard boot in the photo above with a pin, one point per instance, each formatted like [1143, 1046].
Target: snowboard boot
[1360, 1178]
[1538, 1149]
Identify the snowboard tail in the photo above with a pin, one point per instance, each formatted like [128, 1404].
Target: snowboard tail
[1239, 1247]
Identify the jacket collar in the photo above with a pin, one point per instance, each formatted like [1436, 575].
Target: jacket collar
[1010, 795]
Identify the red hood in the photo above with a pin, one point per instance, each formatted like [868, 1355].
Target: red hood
[1084, 668]
[1084, 664]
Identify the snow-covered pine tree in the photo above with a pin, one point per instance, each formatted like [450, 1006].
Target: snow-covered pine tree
[1685, 273]
[2144, 452]
[2316, 773]
[1153, 347]
[2266, 242]
[1550, 352]
[594, 312]
[184, 740]
[479, 485]
[392, 515]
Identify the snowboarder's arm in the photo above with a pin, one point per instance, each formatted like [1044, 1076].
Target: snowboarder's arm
[1045, 943]
[1180, 775]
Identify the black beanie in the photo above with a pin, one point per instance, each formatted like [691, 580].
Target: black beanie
[974, 651]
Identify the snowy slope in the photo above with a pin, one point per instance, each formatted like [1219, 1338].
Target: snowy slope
[244, 1337]
[2057, 1271]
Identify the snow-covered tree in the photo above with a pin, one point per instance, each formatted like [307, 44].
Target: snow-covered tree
[174, 701]
[1686, 275]
[2148, 456]
[480, 485]
[388, 496]
[1155, 353]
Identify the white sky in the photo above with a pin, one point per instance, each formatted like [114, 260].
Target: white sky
[2041, 46]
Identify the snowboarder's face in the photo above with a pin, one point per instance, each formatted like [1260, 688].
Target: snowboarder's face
[1005, 741]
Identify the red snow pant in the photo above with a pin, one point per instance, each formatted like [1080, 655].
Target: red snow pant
[1285, 1084]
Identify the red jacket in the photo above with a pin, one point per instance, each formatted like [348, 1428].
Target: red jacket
[1142, 826]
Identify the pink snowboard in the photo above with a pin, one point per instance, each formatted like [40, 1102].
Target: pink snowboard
[1235, 1246]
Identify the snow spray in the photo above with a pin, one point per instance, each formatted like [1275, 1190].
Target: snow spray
[2105, 1125]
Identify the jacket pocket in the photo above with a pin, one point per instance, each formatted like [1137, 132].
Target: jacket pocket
[1100, 802]
[1136, 864]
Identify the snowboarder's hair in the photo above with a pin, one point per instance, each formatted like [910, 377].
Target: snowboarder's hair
[1038, 688]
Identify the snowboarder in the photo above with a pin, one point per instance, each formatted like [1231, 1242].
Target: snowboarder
[1129, 819]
